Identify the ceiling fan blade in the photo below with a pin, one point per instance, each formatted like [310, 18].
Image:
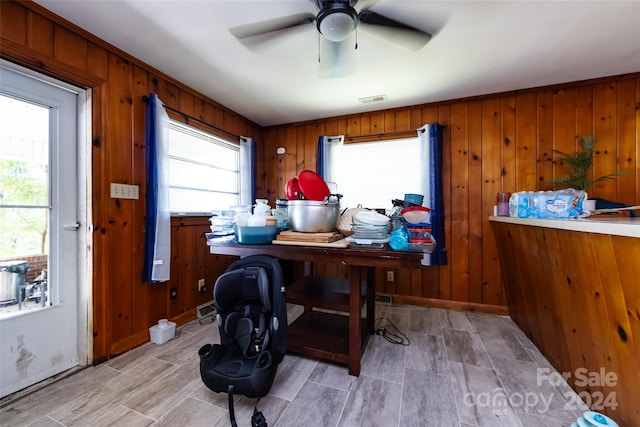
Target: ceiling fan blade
[271, 25]
[392, 30]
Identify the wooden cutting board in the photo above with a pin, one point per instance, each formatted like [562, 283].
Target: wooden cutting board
[296, 236]
[341, 244]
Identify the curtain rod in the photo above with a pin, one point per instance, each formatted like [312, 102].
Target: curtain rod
[187, 117]
[386, 135]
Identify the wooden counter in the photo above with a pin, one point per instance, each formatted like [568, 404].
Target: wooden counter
[573, 287]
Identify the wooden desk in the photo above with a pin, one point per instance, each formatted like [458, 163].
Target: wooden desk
[360, 264]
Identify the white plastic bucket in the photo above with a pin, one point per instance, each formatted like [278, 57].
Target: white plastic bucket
[162, 332]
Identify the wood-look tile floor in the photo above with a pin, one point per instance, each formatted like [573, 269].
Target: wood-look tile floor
[460, 369]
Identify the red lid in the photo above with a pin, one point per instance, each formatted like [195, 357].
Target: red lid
[313, 186]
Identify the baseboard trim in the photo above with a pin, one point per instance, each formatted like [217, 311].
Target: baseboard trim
[451, 305]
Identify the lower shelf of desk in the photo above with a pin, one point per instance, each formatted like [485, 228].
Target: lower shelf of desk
[323, 292]
[324, 336]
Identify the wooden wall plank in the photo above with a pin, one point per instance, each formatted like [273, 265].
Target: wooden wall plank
[545, 139]
[584, 110]
[402, 120]
[637, 171]
[119, 155]
[475, 202]
[70, 48]
[97, 61]
[140, 315]
[508, 173]
[526, 145]
[459, 244]
[627, 155]
[13, 22]
[40, 33]
[605, 113]
[301, 146]
[353, 126]
[491, 177]
[564, 135]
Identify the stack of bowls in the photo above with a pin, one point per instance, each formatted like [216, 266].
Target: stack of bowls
[370, 225]
[412, 199]
[221, 227]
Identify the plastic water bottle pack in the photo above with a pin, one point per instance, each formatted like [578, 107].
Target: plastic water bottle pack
[568, 203]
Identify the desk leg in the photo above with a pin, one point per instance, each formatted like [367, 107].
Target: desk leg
[371, 300]
[355, 332]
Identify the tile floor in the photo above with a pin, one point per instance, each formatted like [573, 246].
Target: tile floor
[460, 369]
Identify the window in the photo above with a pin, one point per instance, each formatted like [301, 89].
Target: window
[204, 171]
[372, 174]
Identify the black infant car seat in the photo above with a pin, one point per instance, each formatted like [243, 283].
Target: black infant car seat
[252, 321]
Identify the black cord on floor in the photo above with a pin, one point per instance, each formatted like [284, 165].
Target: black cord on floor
[390, 332]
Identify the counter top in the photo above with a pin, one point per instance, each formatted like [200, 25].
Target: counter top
[601, 224]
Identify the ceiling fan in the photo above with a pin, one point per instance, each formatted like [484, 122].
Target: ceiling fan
[335, 21]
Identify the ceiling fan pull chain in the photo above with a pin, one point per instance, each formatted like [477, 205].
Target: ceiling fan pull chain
[319, 41]
[356, 46]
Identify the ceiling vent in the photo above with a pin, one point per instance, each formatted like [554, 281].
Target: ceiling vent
[370, 99]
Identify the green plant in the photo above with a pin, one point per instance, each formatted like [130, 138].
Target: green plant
[580, 164]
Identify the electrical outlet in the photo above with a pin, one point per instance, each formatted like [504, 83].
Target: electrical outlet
[124, 191]
[390, 276]
[201, 286]
[173, 293]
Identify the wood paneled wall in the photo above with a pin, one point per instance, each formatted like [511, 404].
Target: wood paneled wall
[495, 143]
[501, 142]
[123, 306]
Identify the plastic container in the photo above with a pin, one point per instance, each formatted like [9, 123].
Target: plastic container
[256, 235]
[162, 332]
[567, 203]
[502, 203]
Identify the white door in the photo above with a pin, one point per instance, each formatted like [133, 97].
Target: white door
[42, 320]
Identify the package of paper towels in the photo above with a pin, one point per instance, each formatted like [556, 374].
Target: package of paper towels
[566, 203]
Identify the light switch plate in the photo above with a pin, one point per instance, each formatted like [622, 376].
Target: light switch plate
[124, 191]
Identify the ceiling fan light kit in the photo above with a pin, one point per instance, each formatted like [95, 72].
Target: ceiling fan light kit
[336, 21]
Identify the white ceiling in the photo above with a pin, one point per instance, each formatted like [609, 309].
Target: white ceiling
[478, 47]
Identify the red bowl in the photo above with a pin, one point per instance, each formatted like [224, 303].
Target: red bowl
[292, 188]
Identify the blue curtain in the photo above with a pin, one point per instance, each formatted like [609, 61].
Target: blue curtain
[329, 148]
[157, 243]
[431, 142]
[247, 171]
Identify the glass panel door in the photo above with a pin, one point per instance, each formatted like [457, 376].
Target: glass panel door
[40, 309]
